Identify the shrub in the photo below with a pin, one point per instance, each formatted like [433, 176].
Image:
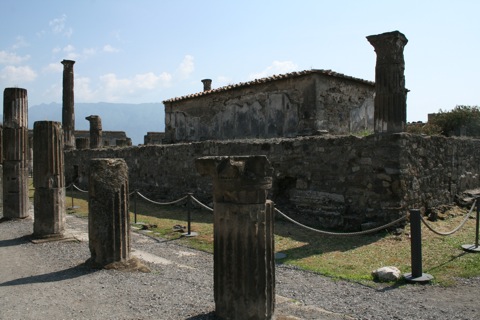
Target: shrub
[455, 121]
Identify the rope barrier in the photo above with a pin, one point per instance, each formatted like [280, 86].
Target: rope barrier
[454, 230]
[343, 234]
[162, 203]
[200, 203]
[78, 189]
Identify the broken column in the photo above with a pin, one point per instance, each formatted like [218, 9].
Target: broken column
[95, 131]
[244, 266]
[108, 219]
[68, 111]
[390, 93]
[15, 145]
[48, 179]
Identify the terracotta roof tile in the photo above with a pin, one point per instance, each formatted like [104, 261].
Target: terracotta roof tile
[268, 79]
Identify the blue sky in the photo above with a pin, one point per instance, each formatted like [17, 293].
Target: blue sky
[149, 50]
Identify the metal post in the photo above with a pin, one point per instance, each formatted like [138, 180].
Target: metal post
[189, 209]
[73, 207]
[72, 196]
[417, 274]
[474, 247]
[135, 207]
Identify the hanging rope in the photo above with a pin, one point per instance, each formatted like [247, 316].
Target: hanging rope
[454, 230]
[200, 204]
[162, 203]
[342, 234]
[78, 189]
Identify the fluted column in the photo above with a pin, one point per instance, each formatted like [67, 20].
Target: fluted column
[244, 266]
[95, 131]
[68, 110]
[15, 145]
[108, 219]
[48, 179]
[390, 113]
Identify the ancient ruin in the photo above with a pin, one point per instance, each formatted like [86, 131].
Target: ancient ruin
[390, 92]
[302, 103]
[108, 219]
[15, 148]
[244, 266]
[68, 111]
[95, 131]
[331, 180]
[48, 180]
[82, 143]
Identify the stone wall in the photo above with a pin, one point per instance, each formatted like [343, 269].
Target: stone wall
[339, 181]
[286, 106]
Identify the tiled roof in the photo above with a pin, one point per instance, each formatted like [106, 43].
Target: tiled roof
[270, 79]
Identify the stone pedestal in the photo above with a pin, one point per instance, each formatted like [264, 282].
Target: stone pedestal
[82, 143]
[390, 94]
[48, 179]
[68, 111]
[15, 148]
[108, 219]
[244, 266]
[95, 131]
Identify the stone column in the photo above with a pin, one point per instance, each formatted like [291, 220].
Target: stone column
[390, 94]
[108, 219]
[82, 143]
[15, 146]
[95, 131]
[68, 111]
[244, 266]
[48, 179]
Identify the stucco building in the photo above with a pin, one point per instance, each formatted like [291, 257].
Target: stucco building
[294, 104]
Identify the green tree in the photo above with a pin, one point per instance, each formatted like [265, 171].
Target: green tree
[455, 121]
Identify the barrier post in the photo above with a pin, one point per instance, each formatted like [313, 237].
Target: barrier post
[189, 218]
[474, 247]
[417, 274]
[73, 207]
[135, 207]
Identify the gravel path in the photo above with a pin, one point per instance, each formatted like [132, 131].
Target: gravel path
[49, 281]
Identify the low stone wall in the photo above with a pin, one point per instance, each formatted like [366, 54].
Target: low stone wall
[334, 181]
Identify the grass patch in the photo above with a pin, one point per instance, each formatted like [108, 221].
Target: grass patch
[350, 258]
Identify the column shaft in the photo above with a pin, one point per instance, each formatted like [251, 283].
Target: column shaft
[48, 179]
[108, 219]
[68, 110]
[15, 162]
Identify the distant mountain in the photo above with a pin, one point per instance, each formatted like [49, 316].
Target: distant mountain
[135, 119]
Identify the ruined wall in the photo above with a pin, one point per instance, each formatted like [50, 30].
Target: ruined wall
[282, 108]
[341, 182]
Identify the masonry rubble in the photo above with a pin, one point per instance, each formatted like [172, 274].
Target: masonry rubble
[108, 219]
[244, 266]
[68, 109]
[15, 148]
[48, 180]
[82, 143]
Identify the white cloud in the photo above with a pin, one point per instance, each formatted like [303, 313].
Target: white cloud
[56, 50]
[186, 67]
[58, 26]
[277, 67]
[53, 68]
[17, 75]
[114, 89]
[68, 48]
[20, 42]
[88, 52]
[109, 48]
[12, 58]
